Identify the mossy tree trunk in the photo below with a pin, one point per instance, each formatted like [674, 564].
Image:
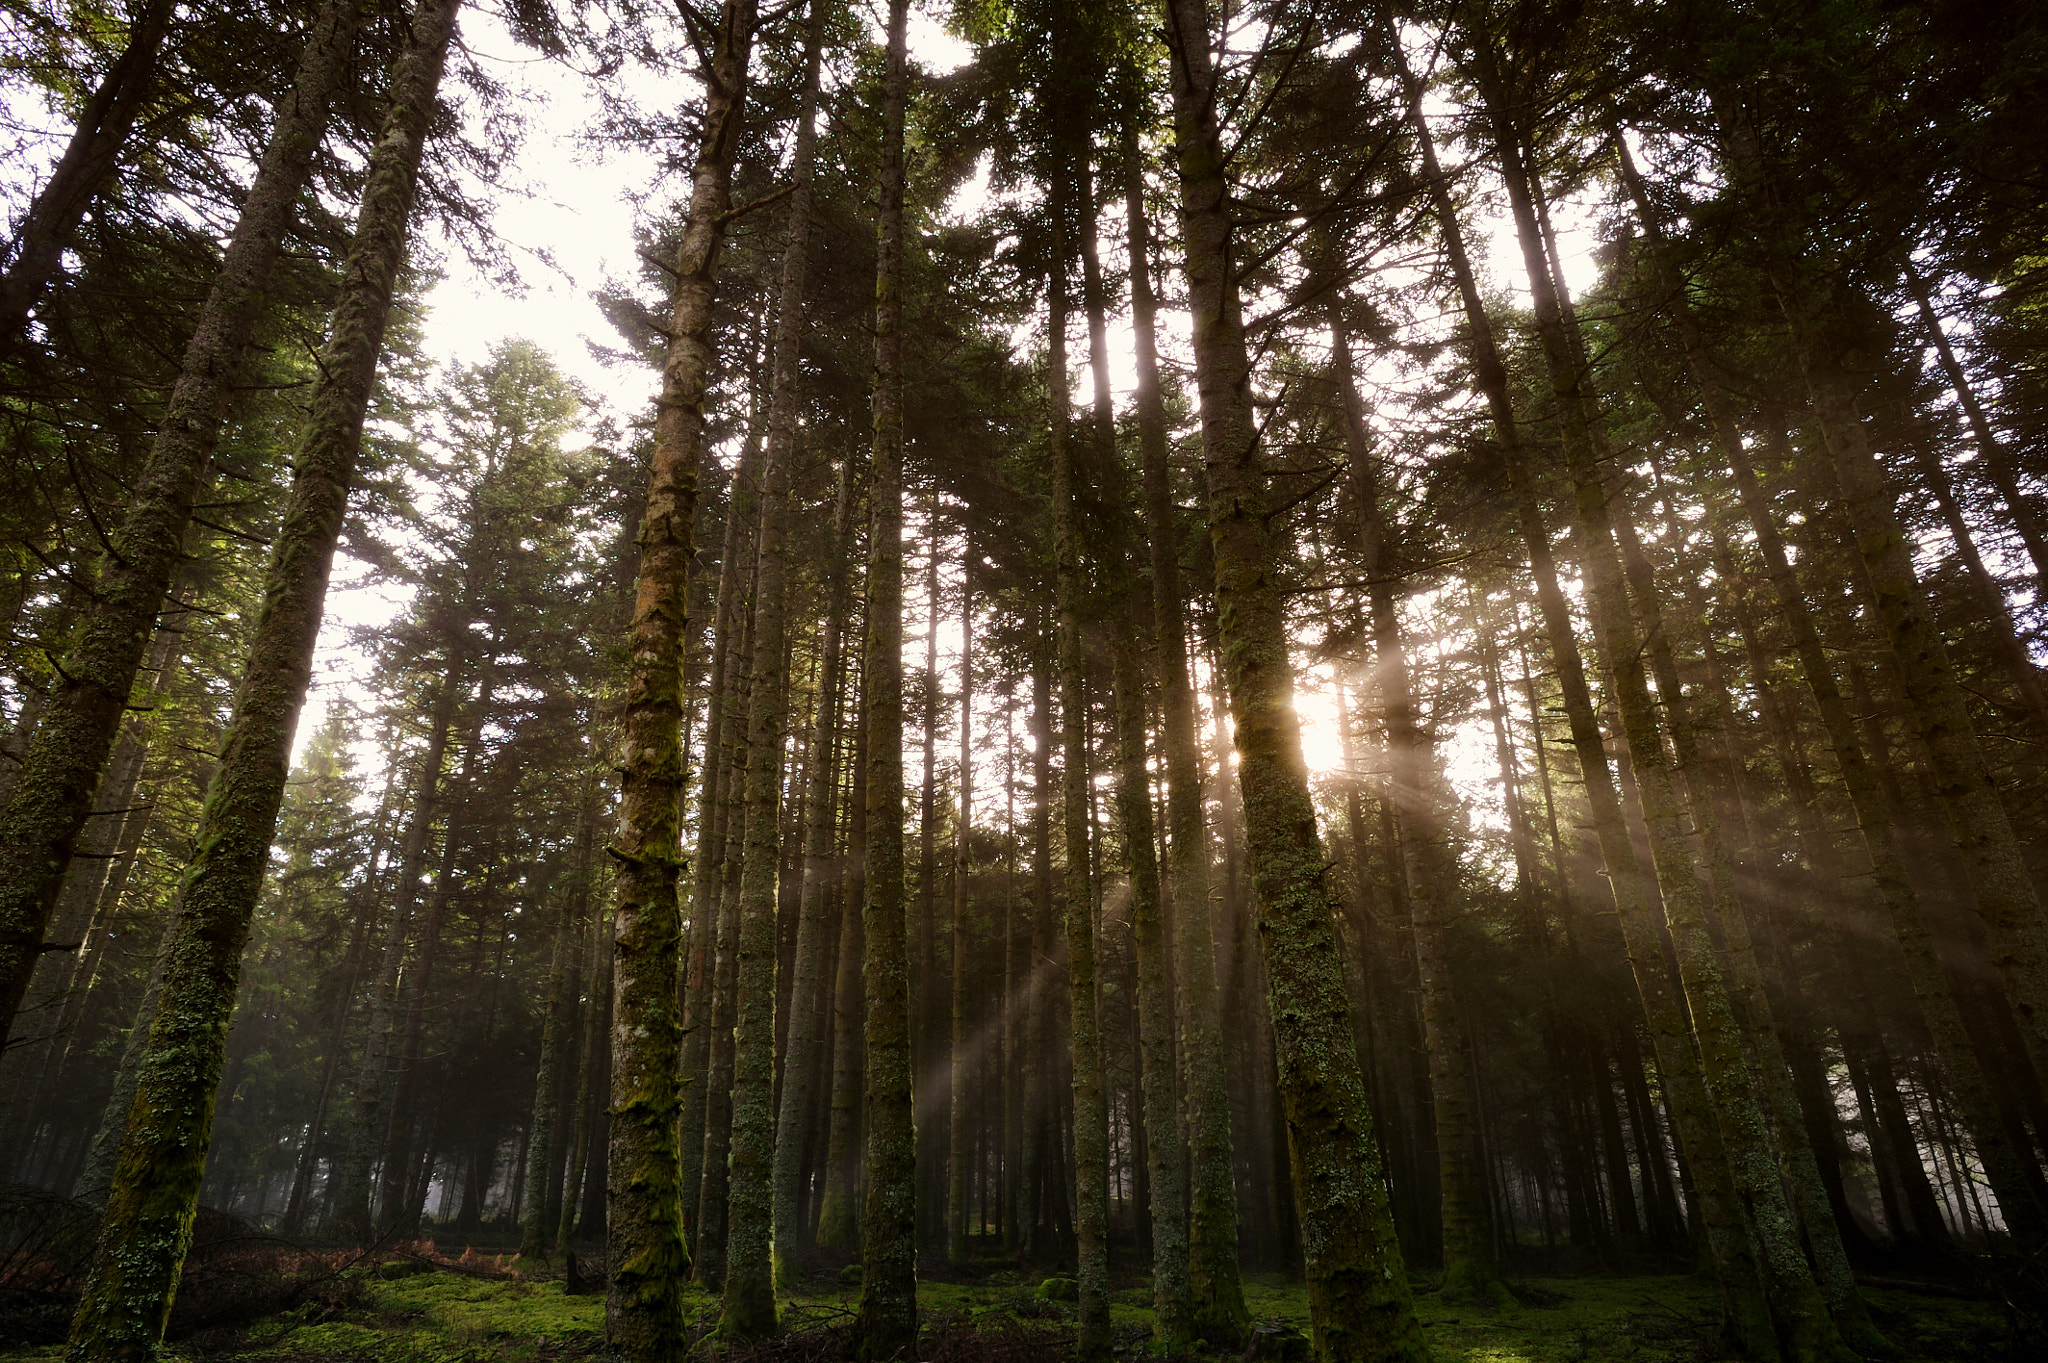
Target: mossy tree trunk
[887, 1325]
[155, 1193]
[60, 769]
[647, 1256]
[1358, 1287]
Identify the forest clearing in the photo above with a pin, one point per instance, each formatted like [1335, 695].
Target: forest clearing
[959, 681]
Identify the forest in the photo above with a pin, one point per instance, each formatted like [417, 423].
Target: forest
[1314, 681]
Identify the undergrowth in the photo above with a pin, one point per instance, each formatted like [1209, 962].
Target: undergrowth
[401, 1310]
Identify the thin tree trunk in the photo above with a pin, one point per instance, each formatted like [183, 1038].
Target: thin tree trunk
[418, 984]
[1998, 462]
[591, 1055]
[927, 1048]
[806, 1036]
[155, 1193]
[959, 1152]
[1090, 1091]
[1471, 1269]
[543, 1154]
[837, 1209]
[887, 1325]
[367, 1120]
[65, 757]
[729, 626]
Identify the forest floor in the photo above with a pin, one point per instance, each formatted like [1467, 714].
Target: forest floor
[403, 1311]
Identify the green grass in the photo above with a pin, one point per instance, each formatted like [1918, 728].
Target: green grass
[441, 1317]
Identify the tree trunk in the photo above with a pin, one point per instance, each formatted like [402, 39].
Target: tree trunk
[838, 1217]
[728, 630]
[887, 1325]
[648, 1259]
[1471, 1269]
[749, 1252]
[61, 767]
[807, 1027]
[959, 1150]
[155, 1194]
[1358, 1288]
[541, 1212]
[1998, 462]
[1215, 1286]
[1090, 1090]
[367, 1120]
